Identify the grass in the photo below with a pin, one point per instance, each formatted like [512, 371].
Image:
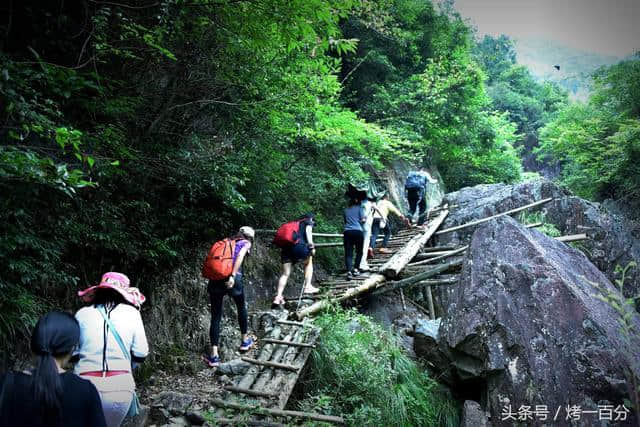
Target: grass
[360, 373]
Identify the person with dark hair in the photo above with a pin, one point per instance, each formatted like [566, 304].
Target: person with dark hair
[50, 396]
[303, 250]
[112, 343]
[353, 235]
[415, 189]
[232, 286]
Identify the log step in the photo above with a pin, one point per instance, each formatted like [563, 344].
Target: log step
[251, 392]
[269, 364]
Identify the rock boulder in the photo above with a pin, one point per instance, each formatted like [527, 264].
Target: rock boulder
[613, 240]
[526, 325]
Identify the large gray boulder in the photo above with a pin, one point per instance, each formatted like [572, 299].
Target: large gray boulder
[613, 240]
[526, 325]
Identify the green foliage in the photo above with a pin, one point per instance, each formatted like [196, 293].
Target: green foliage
[359, 372]
[414, 73]
[528, 217]
[598, 143]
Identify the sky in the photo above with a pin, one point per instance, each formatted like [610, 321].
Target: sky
[607, 27]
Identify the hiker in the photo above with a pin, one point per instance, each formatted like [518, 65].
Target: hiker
[368, 209]
[415, 188]
[232, 285]
[353, 236]
[112, 343]
[381, 222]
[295, 239]
[49, 395]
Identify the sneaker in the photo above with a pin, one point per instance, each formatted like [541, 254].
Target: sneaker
[355, 272]
[246, 345]
[349, 275]
[212, 361]
[370, 253]
[311, 290]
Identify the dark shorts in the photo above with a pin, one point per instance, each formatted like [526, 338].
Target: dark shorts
[295, 253]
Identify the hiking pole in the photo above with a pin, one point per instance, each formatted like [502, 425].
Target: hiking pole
[300, 297]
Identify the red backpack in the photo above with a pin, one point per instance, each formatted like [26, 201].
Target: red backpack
[218, 264]
[288, 234]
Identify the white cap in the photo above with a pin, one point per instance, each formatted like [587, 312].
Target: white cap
[248, 231]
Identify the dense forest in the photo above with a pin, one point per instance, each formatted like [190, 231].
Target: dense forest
[133, 131]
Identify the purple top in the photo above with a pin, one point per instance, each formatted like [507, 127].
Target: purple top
[239, 245]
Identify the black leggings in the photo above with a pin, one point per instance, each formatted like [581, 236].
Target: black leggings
[352, 238]
[217, 291]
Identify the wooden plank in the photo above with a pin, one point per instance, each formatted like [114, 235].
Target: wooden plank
[483, 220]
[250, 376]
[289, 381]
[400, 259]
[534, 225]
[250, 392]
[271, 364]
[269, 376]
[290, 343]
[369, 283]
[278, 412]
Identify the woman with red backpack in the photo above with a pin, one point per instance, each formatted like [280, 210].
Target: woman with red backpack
[295, 239]
[233, 287]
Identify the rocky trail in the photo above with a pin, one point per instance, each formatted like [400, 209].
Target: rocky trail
[506, 311]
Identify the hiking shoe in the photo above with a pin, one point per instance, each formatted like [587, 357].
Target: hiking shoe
[311, 290]
[212, 361]
[370, 253]
[246, 345]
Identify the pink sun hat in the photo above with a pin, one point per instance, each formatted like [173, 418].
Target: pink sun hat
[119, 283]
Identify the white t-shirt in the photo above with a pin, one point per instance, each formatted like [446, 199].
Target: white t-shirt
[93, 328]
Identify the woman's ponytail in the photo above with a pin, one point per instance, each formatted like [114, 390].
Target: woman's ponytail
[56, 334]
[47, 387]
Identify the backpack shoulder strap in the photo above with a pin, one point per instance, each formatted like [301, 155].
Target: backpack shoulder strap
[114, 332]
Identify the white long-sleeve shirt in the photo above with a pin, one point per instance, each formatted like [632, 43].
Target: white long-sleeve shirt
[94, 356]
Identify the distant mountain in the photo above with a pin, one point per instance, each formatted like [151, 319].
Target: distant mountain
[575, 65]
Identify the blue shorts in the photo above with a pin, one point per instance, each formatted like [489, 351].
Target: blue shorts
[295, 253]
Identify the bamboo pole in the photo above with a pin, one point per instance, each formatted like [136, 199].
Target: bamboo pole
[572, 238]
[401, 258]
[278, 412]
[242, 422]
[436, 282]
[369, 283]
[413, 280]
[438, 258]
[480, 221]
[439, 248]
[290, 343]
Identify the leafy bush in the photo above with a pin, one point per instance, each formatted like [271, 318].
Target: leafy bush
[358, 371]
